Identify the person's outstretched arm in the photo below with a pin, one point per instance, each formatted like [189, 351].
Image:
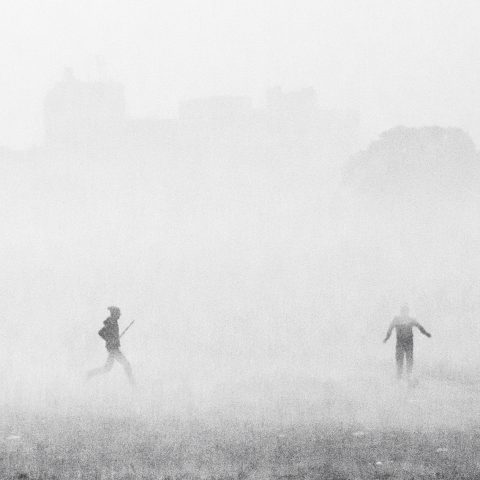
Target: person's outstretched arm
[389, 331]
[422, 330]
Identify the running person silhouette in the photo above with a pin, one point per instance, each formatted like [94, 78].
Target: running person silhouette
[110, 333]
[403, 325]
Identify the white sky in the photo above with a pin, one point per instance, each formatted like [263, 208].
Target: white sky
[396, 61]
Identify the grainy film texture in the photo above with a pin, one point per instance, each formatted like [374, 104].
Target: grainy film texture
[240, 240]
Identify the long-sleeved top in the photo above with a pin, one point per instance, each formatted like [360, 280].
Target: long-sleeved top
[404, 328]
[110, 333]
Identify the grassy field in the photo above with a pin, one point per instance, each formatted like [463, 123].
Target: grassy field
[127, 448]
[370, 430]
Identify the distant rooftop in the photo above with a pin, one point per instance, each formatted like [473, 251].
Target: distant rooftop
[76, 110]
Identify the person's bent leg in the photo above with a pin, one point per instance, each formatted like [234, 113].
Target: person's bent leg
[121, 359]
[102, 370]
[399, 352]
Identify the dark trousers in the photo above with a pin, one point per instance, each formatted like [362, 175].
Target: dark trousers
[113, 355]
[404, 350]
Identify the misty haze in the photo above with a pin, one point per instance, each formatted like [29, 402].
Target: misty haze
[213, 213]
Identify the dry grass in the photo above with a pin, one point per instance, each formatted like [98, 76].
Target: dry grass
[53, 447]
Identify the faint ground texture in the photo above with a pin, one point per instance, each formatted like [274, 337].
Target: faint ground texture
[358, 430]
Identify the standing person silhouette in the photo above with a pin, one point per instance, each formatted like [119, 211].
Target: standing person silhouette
[403, 325]
[110, 333]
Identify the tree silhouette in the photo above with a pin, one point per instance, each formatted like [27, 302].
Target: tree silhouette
[418, 162]
[408, 206]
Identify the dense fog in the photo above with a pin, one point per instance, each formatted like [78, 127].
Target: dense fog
[262, 245]
[255, 283]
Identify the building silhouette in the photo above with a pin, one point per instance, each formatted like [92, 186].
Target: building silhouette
[88, 114]
[80, 113]
[220, 110]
